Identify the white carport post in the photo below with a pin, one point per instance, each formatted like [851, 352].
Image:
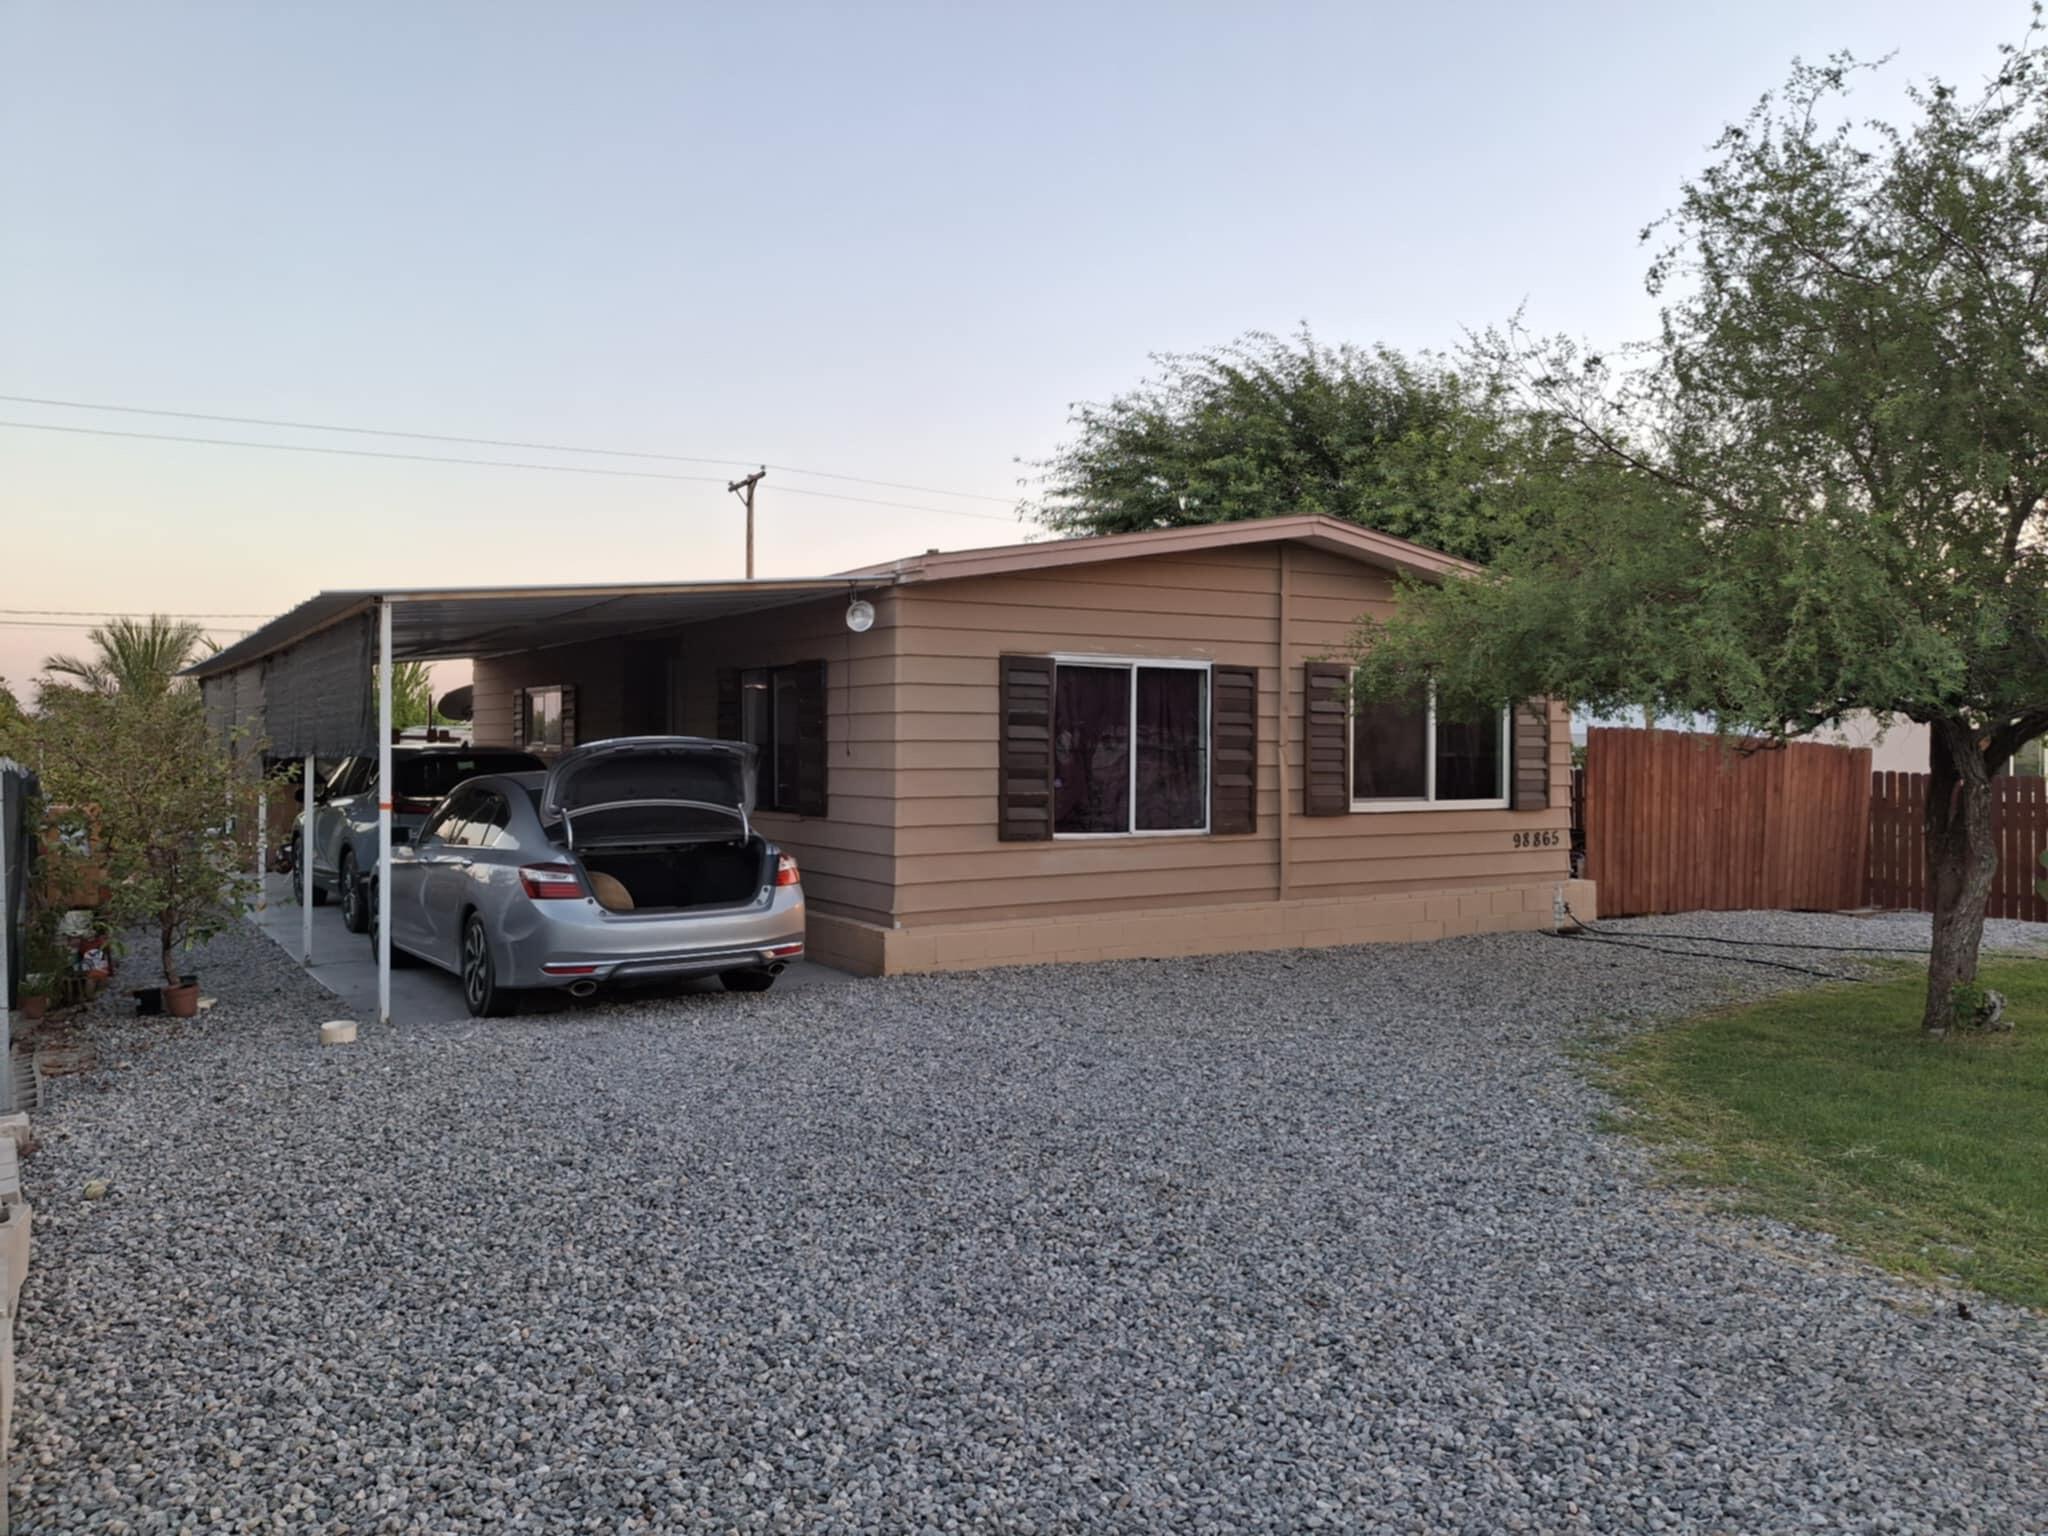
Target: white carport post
[306, 841]
[384, 810]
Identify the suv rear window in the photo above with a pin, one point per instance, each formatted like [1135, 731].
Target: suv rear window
[429, 776]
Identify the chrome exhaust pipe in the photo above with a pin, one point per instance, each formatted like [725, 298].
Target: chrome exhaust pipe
[582, 988]
[777, 968]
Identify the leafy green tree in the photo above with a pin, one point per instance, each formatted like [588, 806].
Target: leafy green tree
[412, 695]
[1270, 427]
[174, 812]
[1820, 490]
[12, 719]
[133, 656]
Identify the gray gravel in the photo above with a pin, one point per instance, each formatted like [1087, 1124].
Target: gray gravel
[1288, 1242]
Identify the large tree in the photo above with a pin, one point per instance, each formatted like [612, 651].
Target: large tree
[1267, 427]
[1820, 490]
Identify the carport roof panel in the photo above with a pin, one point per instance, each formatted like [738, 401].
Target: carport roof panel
[432, 623]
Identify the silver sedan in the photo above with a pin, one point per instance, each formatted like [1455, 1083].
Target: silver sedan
[632, 859]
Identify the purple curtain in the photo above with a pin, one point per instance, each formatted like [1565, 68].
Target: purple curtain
[1091, 750]
[1172, 751]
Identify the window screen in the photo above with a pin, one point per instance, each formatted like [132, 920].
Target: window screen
[1130, 748]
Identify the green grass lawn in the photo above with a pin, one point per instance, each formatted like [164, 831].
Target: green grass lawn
[1827, 1108]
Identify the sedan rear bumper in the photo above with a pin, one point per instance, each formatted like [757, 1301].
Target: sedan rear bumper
[658, 967]
[567, 943]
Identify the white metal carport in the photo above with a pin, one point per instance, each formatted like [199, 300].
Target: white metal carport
[297, 673]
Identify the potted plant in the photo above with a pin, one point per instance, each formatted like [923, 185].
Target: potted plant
[175, 812]
[35, 995]
[44, 960]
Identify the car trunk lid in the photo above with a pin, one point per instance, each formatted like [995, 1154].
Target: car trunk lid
[651, 792]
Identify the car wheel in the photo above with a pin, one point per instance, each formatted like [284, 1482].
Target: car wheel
[299, 873]
[355, 911]
[746, 981]
[481, 993]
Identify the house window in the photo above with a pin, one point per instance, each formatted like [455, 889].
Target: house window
[1130, 747]
[1404, 754]
[543, 719]
[770, 702]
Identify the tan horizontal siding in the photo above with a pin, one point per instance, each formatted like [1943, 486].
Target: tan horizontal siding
[1194, 573]
[1018, 600]
[949, 865]
[957, 824]
[949, 862]
[1117, 910]
[963, 630]
[1050, 892]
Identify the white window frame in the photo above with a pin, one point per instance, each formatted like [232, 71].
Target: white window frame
[535, 743]
[1430, 803]
[1131, 665]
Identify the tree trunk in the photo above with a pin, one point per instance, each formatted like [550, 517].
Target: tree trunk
[1961, 861]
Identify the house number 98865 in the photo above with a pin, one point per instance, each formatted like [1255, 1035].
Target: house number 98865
[1549, 839]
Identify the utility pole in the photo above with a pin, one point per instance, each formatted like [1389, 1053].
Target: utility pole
[744, 489]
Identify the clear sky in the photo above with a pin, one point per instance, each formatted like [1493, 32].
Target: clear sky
[892, 241]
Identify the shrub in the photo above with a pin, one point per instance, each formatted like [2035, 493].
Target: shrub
[175, 811]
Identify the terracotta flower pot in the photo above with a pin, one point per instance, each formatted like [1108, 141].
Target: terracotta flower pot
[33, 1007]
[182, 1002]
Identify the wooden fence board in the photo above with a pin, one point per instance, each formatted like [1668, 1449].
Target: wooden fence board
[1681, 822]
[1677, 822]
[1898, 847]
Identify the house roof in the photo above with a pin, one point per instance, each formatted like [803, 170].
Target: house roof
[433, 623]
[1327, 533]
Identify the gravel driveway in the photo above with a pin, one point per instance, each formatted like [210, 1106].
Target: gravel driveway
[1290, 1242]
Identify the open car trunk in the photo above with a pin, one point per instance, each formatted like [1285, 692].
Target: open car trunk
[666, 879]
[650, 792]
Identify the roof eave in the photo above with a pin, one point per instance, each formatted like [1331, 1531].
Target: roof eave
[1314, 529]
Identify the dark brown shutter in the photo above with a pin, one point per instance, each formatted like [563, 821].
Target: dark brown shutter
[728, 704]
[568, 716]
[1024, 753]
[1233, 750]
[1325, 719]
[1531, 756]
[808, 750]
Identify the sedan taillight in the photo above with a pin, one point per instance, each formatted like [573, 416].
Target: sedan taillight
[785, 870]
[550, 882]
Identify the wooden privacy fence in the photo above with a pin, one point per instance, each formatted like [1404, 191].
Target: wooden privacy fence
[1898, 845]
[1680, 822]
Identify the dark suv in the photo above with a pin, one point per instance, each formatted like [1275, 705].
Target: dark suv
[345, 813]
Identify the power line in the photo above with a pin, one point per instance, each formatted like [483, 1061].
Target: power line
[112, 613]
[59, 624]
[869, 501]
[490, 442]
[435, 458]
[356, 453]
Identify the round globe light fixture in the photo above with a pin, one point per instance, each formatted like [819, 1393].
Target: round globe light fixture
[860, 615]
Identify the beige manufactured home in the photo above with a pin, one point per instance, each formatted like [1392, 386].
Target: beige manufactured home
[1139, 745]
